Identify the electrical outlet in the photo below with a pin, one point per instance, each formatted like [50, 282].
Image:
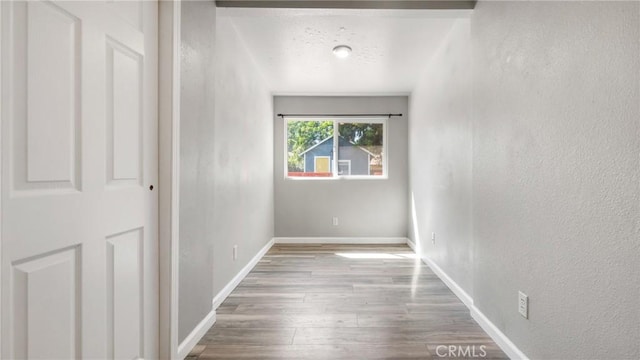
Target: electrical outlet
[235, 252]
[335, 221]
[433, 238]
[523, 304]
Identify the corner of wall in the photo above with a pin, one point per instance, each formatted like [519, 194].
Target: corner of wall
[498, 336]
[243, 158]
[196, 334]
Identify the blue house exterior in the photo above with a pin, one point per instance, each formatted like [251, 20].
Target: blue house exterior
[353, 160]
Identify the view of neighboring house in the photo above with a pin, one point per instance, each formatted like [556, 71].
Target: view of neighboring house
[353, 160]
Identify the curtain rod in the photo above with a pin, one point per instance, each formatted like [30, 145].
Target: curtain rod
[336, 115]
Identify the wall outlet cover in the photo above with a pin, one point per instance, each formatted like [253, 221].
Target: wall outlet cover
[523, 304]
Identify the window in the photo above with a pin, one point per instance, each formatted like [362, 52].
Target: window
[344, 167]
[332, 148]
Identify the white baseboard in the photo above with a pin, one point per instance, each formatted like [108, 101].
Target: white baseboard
[451, 284]
[498, 336]
[340, 240]
[198, 332]
[412, 245]
[219, 298]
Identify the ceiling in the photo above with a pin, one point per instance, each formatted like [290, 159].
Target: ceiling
[293, 47]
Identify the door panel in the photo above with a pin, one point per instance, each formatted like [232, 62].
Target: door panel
[45, 295]
[52, 93]
[125, 278]
[79, 152]
[124, 105]
[46, 98]
[322, 164]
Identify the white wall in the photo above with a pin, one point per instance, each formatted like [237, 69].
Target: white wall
[226, 169]
[556, 174]
[196, 164]
[365, 208]
[555, 178]
[440, 153]
[243, 157]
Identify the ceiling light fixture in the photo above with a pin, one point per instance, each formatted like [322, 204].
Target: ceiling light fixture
[342, 51]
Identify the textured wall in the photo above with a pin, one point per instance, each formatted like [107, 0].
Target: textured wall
[440, 154]
[243, 157]
[556, 174]
[375, 208]
[196, 164]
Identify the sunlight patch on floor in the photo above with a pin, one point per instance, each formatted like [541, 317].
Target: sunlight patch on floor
[357, 255]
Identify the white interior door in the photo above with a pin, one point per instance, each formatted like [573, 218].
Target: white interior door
[79, 252]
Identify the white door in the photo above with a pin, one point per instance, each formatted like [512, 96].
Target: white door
[79, 254]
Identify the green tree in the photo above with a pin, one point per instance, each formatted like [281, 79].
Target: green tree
[362, 134]
[302, 135]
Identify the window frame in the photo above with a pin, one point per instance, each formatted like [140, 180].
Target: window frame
[348, 162]
[336, 133]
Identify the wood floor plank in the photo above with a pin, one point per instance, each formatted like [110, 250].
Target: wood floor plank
[255, 274]
[242, 336]
[286, 320]
[286, 289]
[330, 301]
[389, 336]
[317, 281]
[226, 309]
[286, 308]
[338, 308]
[435, 306]
[381, 336]
[313, 352]
[253, 298]
[352, 298]
[413, 320]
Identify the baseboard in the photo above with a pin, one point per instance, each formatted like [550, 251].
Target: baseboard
[451, 284]
[498, 336]
[412, 245]
[198, 332]
[194, 337]
[340, 240]
[219, 298]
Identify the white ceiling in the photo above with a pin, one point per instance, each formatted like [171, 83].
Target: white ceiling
[292, 47]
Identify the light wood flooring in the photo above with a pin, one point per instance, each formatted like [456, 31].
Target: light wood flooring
[342, 302]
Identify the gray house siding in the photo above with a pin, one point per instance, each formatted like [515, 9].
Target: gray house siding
[359, 158]
[324, 149]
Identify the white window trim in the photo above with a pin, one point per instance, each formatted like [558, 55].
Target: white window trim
[334, 165]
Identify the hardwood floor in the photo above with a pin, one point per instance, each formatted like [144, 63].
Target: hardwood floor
[343, 302]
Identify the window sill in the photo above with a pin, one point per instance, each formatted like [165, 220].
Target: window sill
[334, 178]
